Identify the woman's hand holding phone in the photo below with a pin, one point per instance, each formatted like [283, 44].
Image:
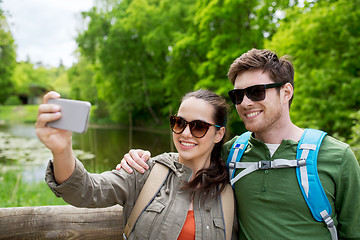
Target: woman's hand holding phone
[57, 140]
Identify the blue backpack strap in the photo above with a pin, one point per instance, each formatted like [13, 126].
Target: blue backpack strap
[309, 181]
[237, 150]
[308, 178]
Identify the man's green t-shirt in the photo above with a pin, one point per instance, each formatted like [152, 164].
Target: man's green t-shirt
[270, 204]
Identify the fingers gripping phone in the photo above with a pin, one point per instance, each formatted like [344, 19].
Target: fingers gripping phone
[74, 115]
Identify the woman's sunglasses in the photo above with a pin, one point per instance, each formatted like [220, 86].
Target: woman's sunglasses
[254, 93]
[198, 128]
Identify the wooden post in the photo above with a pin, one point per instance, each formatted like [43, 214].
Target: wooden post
[171, 134]
[130, 130]
[61, 222]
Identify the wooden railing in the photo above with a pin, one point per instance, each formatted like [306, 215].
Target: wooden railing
[61, 222]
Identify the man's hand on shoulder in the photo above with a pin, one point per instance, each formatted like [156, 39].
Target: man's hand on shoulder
[136, 158]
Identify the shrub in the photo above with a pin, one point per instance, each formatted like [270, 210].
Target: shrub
[355, 135]
[13, 100]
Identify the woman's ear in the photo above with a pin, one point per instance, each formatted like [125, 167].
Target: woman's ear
[220, 134]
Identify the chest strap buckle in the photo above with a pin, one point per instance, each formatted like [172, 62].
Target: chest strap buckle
[264, 164]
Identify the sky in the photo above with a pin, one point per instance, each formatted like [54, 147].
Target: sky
[45, 30]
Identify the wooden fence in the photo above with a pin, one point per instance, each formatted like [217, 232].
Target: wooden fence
[61, 222]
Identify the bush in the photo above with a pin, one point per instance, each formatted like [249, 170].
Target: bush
[355, 135]
[13, 100]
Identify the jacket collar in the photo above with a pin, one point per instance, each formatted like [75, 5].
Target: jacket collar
[171, 160]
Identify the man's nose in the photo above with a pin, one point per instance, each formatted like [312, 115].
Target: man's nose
[246, 101]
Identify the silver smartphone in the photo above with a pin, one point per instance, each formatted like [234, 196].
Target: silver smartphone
[74, 115]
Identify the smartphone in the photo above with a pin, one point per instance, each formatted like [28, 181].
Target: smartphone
[74, 115]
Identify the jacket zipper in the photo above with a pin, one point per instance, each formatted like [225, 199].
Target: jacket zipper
[202, 219]
[172, 200]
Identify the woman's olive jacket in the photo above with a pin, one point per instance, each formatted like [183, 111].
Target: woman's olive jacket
[163, 218]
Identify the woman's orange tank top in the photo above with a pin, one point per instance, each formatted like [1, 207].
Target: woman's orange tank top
[188, 230]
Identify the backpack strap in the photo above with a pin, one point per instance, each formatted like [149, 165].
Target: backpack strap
[309, 181]
[237, 150]
[228, 209]
[151, 187]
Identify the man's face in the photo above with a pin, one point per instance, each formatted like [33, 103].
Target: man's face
[259, 116]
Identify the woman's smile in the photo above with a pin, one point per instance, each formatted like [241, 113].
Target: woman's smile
[185, 144]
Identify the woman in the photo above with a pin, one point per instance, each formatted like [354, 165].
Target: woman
[188, 205]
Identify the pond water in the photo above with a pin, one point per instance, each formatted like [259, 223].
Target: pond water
[100, 149]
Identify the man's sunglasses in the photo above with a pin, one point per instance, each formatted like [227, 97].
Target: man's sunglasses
[198, 128]
[254, 93]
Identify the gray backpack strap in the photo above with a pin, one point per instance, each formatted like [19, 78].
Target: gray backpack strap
[253, 166]
[151, 187]
[228, 209]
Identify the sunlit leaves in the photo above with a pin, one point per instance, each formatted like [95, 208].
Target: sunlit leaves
[324, 45]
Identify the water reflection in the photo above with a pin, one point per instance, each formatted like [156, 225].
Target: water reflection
[110, 145]
[99, 149]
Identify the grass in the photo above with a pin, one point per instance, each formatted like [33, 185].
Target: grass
[14, 192]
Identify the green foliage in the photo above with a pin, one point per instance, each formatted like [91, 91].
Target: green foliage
[31, 80]
[130, 54]
[7, 59]
[82, 81]
[355, 135]
[323, 41]
[13, 100]
[60, 81]
[226, 30]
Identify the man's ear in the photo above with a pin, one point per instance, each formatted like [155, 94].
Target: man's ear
[287, 92]
[220, 134]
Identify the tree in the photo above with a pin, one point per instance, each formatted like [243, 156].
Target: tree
[26, 77]
[59, 79]
[82, 81]
[130, 53]
[7, 59]
[323, 39]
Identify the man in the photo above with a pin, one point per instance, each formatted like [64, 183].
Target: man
[270, 203]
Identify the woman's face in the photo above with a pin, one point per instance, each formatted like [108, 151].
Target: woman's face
[196, 150]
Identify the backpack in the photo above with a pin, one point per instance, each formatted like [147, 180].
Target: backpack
[152, 186]
[306, 165]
